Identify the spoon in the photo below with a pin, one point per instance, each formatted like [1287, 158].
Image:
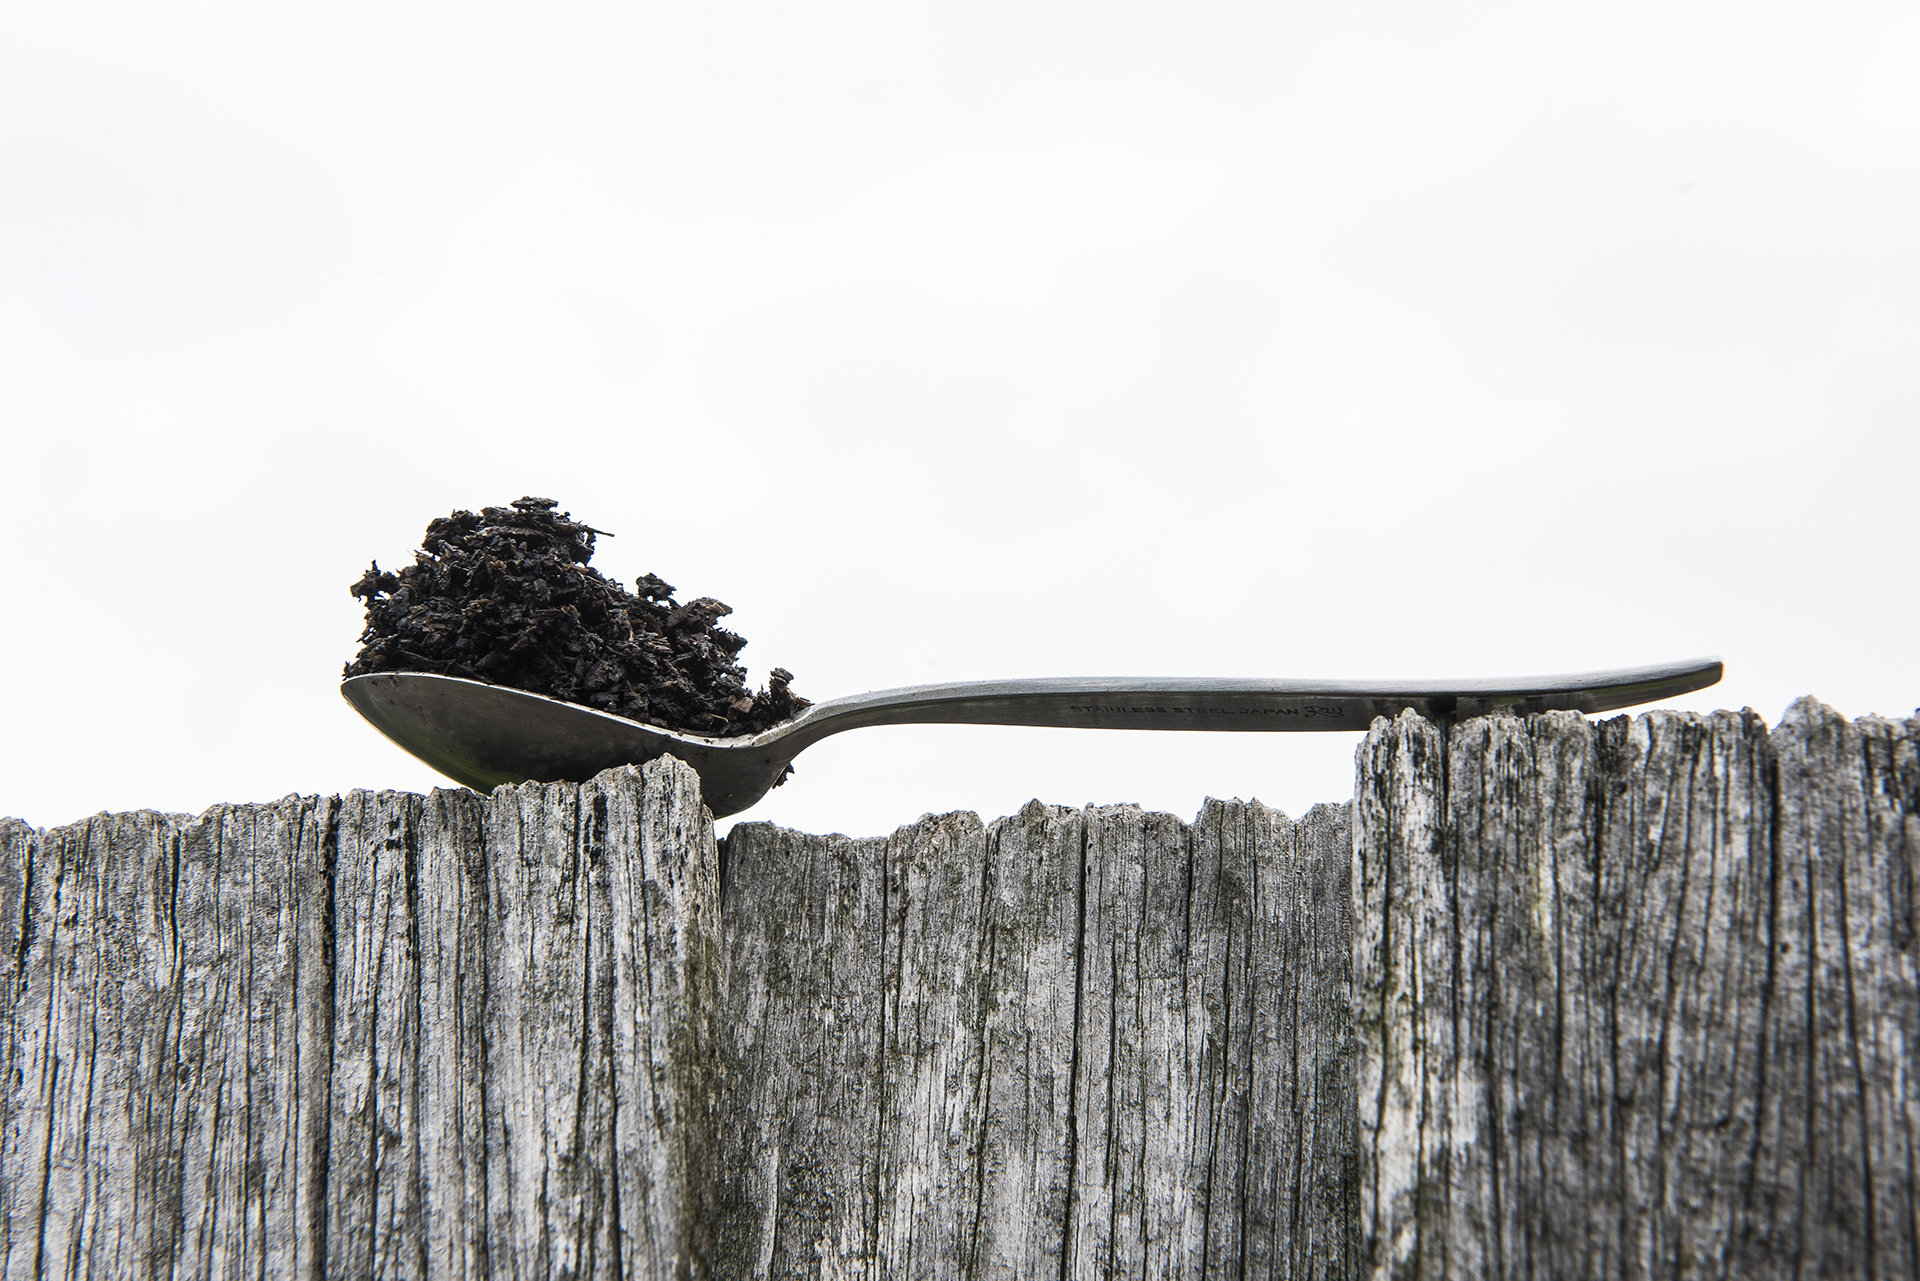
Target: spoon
[484, 735]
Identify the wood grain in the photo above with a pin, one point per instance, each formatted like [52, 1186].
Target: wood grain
[1071, 1043]
[384, 1035]
[1551, 999]
[1637, 999]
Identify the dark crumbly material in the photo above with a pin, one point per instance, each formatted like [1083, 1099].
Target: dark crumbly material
[507, 597]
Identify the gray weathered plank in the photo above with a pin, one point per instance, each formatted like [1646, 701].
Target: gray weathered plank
[1107, 1043]
[381, 1036]
[602, 922]
[1638, 999]
[373, 1131]
[666, 1036]
[1032, 888]
[161, 1117]
[451, 949]
[1402, 982]
[802, 985]
[22, 1030]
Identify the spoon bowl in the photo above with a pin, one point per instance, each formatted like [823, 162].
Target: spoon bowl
[484, 735]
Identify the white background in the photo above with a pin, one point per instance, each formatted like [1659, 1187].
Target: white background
[1357, 340]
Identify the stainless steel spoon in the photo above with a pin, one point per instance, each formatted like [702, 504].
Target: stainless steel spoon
[484, 735]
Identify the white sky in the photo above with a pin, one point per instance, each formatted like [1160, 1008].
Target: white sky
[1358, 340]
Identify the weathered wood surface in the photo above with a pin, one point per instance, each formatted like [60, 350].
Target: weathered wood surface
[381, 1036]
[455, 1036]
[1638, 999]
[1074, 1043]
[1616, 1000]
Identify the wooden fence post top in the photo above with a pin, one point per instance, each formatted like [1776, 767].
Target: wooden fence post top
[1638, 998]
[1551, 997]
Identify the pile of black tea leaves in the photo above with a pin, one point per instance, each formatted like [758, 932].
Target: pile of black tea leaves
[507, 596]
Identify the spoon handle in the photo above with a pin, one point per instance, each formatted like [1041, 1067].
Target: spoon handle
[1201, 703]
